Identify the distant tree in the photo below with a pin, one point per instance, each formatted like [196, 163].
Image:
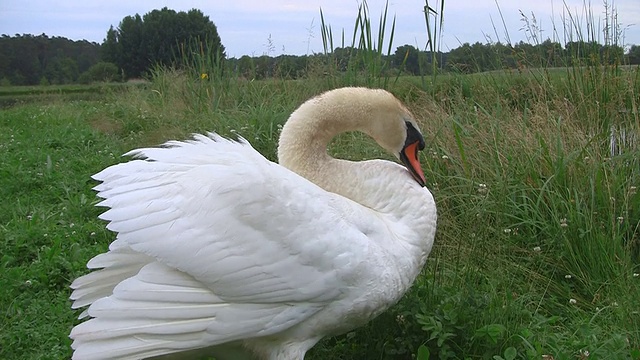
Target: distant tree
[100, 72]
[345, 57]
[407, 56]
[633, 57]
[287, 66]
[553, 53]
[61, 70]
[264, 67]
[111, 49]
[132, 59]
[30, 60]
[245, 67]
[160, 37]
[611, 54]
[461, 59]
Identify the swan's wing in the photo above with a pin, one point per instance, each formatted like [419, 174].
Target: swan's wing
[242, 246]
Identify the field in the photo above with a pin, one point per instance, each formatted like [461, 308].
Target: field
[537, 253]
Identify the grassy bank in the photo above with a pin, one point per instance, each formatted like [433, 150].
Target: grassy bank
[535, 174]
[17, 95]
[537, 248]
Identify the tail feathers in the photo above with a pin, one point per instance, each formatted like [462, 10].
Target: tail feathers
[118, 265]
[161, 310]
[157, 311]
[138, 347]
[116, 329]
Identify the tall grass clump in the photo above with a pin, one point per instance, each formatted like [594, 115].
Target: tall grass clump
[536, 174]
[434, 21]
[367, 58]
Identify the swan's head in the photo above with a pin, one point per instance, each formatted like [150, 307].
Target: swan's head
[375, 112]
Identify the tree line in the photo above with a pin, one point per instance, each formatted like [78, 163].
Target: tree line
[467, 58]
[31, 60]
[190, 39]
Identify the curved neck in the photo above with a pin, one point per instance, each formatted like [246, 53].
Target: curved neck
[303, 145]
[302, 149]
[380, 185]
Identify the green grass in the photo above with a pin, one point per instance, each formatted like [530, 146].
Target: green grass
[538, 244]
[16, 95]
[508, 173]
[48, 224]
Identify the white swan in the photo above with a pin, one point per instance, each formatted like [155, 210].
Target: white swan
[219, 249]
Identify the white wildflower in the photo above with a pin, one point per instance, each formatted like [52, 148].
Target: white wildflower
[537, 249]
[563, 222]
[636, 275]
[507, 231]
[573, 301]
[444, 157]
[567, 276]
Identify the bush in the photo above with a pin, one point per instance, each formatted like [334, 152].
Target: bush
[101, 72]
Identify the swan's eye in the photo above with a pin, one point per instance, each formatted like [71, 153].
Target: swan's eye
[413, 135]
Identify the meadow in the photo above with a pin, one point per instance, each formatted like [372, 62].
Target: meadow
[535, 175]
[537, 252]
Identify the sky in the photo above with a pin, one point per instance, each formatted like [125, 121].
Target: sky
[258, 27]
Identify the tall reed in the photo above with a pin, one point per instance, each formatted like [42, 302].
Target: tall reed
[368, 58]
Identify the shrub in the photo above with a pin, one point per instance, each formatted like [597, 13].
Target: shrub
[102, 71]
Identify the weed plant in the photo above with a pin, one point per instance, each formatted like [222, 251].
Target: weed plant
[535, 175]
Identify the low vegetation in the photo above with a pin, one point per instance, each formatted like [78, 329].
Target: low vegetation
[535, 174]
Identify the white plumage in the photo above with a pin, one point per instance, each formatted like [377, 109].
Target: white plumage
[219, 249]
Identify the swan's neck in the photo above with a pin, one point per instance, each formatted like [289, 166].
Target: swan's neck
[379, 185]
[303, 149]
[382, 186]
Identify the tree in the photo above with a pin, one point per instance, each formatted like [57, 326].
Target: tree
[111, 49]
[30, 60]
[133, 59]
[407, 55]
[160, 37]
[102, 71]
[61, 70]
[634, 55]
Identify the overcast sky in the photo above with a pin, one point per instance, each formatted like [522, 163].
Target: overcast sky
[245, 26]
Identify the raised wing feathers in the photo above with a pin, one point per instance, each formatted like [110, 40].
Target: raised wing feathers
[228, 246]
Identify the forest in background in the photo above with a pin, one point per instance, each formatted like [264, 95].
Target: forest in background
[165, 37]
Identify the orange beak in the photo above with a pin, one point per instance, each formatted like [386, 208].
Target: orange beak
[409, 156]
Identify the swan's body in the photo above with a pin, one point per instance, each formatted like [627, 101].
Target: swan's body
[222, 250]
